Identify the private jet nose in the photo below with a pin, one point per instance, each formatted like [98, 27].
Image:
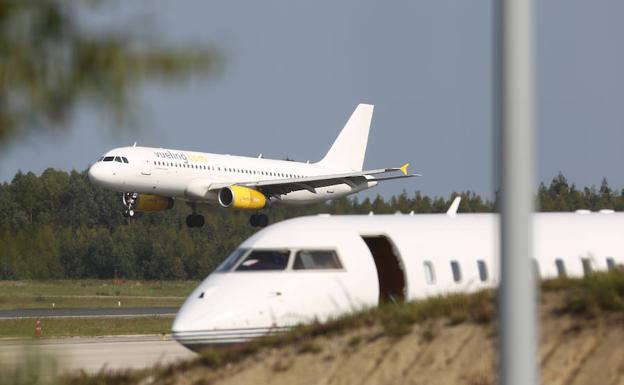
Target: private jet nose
[211, 318]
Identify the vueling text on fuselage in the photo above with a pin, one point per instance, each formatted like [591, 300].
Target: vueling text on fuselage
[180, 156]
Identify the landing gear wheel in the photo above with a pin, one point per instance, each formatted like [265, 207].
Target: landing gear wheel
[195, 220]
[129, 200]
[263, 220]
[128, 213]
[259, 220]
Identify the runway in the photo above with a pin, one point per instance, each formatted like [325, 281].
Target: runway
[88, 312]
[93, 354]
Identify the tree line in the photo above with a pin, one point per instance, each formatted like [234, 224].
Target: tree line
[59, 225]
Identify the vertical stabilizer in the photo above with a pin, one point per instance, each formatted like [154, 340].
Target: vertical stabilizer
[347, 152]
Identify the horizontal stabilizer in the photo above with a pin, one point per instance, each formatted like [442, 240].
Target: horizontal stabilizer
[393, 177]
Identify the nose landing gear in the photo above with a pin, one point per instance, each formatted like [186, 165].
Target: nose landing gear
[259, 220]
[129, 201]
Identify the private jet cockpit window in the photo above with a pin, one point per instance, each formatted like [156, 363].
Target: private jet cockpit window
[108, 158]
[231, 260]
[262, 260]
[317, 260]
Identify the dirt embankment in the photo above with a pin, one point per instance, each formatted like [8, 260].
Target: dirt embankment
[574, 350]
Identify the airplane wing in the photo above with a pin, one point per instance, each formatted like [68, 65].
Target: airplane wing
[276, 187]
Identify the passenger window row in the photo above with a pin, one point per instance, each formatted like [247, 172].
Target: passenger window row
[430, 276]
[277, 260]
[586, 263]
[227, 169]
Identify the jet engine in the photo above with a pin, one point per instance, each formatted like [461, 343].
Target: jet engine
[243, 198]
[152, 203]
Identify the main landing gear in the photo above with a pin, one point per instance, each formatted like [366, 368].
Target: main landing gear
[129, 201]
[259, 220]
[195, 220]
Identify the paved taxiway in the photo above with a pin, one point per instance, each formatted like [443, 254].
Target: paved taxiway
[97, 312]
[92, 354]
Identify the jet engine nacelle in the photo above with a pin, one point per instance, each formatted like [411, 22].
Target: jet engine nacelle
[152, 203]
[243, 198]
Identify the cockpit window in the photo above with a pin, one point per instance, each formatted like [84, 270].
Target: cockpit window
[125, 160]
[231, 261]
[259, 260]
[118, 159]
[316, 259]
[108, 158]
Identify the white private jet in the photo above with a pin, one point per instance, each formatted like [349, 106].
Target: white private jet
[318, 267]
[151, 178]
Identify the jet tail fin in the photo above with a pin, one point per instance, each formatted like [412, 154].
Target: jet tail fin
[349, 149]
[452, 210]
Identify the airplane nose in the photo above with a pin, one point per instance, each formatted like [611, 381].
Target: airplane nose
[95, 173]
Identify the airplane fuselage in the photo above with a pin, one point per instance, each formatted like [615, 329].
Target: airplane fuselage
[316, 268]
[171, 173]
[151, 178]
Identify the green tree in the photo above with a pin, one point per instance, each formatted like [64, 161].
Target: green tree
[77, 231]
[559, 192]
[422, 204]
[41, 253]
[123, 258]
[606, 196]
[26, 193]
[49, 62]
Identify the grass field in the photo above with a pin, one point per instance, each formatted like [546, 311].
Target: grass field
[92, 293]
[86, 327]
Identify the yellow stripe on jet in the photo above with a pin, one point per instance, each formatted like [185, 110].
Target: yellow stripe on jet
[404, 168]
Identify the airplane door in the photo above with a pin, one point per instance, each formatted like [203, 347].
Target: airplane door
[390, 270]
[147, 168]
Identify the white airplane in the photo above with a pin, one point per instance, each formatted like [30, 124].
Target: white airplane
[318, 267]
[151, 178]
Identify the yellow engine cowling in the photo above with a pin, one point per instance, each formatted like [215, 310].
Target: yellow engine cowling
[152, 203]
[243, 198]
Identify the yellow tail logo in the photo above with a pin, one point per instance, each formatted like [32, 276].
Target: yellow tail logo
[404, 168]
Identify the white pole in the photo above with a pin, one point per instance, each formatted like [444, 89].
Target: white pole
[517, 296]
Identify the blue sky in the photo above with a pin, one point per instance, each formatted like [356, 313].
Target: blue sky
[294, 71]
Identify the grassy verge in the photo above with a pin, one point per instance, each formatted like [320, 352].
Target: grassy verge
[395, 320]
[92, 293]
[86, 327]
[601, 292]
[590, 295]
